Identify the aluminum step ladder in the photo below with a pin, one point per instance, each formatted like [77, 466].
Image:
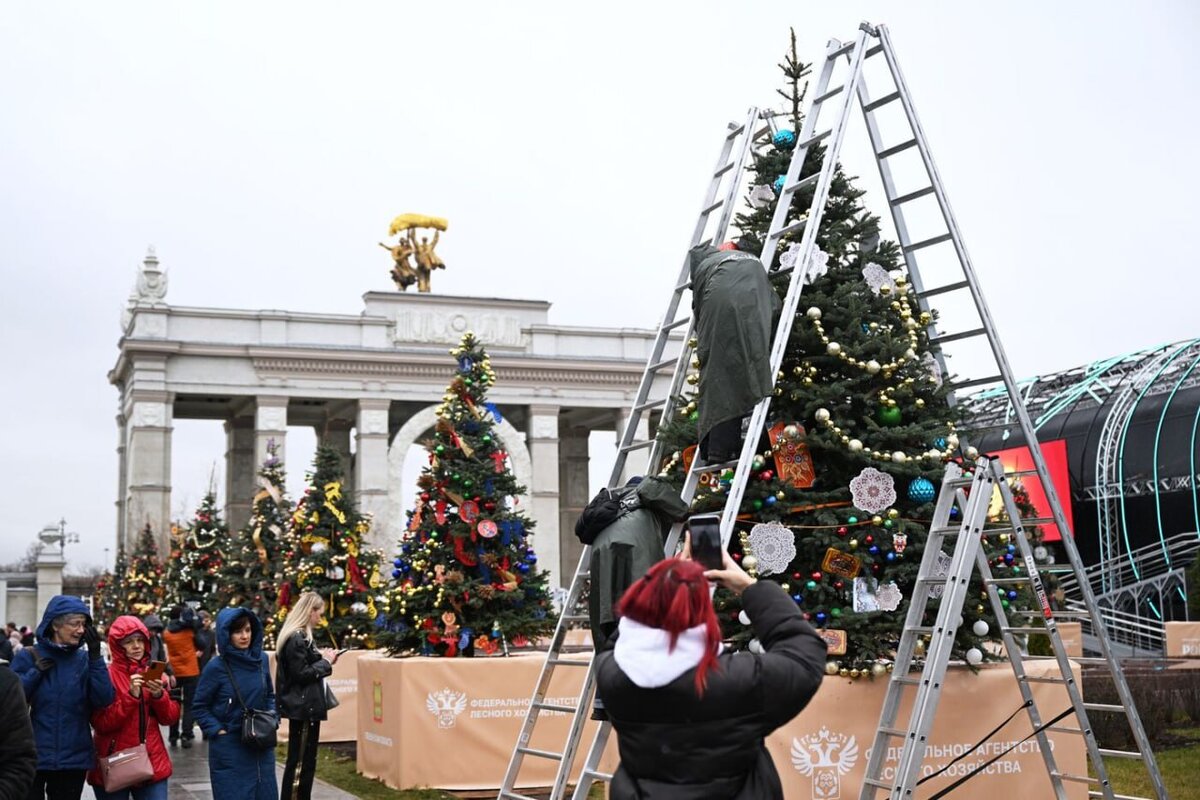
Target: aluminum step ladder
[949, 273]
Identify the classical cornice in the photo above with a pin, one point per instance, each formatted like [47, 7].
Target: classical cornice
[622, 374]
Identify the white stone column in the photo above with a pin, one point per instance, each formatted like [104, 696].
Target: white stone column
[371, 465]
[335, 434]
[122, 476]
[574, 493]
[635, 464]
[544, 492]
[148, 466]
[270, 424]
[240, 470]
[50, 563]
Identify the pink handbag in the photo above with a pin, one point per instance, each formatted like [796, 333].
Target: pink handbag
[130, 766]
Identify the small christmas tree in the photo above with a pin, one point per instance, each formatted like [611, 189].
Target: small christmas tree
[143, 577]
[253, 570]
[109, 599]
[466, 577]
[193, 571]
[326, 555]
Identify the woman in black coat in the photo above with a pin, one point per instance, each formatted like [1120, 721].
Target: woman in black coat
[690, 720]
[300, 674]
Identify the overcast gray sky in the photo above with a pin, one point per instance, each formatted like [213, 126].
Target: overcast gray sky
[264, 147]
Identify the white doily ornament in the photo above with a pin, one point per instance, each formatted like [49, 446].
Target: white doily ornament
[889, 596]
[818, 263]
[877, 277]
[932, 367]
[940, 570]
[761, 196]
[873, 491]
[774, 546]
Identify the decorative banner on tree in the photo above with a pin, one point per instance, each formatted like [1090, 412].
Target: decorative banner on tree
[487, 528]
[792, 460]
[873, 491]
[835, 641]
[468, 512]
[841, 563]
[773, 545]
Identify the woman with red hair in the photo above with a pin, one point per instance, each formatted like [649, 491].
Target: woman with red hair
[690, 720]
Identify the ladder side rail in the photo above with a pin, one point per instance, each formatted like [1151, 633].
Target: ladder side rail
[1012, 647]
[918, 602]
[1022, 414]
[787, 316]
[1074, 691]
[591, 765]
[937, 659]
[575, 732]
[664, 329]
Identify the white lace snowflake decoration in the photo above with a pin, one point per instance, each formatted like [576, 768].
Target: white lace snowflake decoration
[774, 546]
[941, 569]
[877, 277]
[888, 596]
[787, 259]
[818, 264]
[932, 367]
[761, 196]
[873, 491]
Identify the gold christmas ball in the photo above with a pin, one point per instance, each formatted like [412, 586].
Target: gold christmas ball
[781, 495]
[877, 520]
[872, 367]
[696, 362]
[749, 563]
[845, 673]
[797, 371]
[693, 342]
[833, 348]
[693, 378]
[919, 402]
[885, 290]
[878, 670]
[893, 514]
[853, 543]
[821, 415]
[831, 668]
[855, 446]
[813, 313]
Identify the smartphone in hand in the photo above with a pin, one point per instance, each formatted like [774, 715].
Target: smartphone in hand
[705, 534]
[155, 671]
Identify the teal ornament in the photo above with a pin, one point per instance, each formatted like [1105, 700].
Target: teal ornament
[784, 139]
[921, 490]
[940, 443]
[852, 520]
[780, 182]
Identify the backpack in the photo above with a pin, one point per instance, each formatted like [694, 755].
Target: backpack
[605, 508]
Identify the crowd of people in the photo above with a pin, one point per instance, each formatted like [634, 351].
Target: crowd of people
[81, 703]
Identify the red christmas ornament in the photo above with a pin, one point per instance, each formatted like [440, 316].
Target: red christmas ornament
[816, 576]
[796, 576]
[842, 531]
[869, 539]
[839, 585]
[425, 496]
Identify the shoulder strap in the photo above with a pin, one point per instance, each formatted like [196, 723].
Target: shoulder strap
[233, 683]
[142, 716]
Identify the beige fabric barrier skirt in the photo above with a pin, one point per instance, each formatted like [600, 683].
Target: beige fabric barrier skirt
[1183, 639]
[452, 724]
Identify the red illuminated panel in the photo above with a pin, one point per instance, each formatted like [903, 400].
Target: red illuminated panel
[1055, 452]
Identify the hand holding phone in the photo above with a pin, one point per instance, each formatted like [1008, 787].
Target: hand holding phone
[705, 534]
[155, 671]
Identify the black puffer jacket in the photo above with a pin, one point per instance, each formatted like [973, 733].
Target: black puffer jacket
[299, 693]
[677, 746]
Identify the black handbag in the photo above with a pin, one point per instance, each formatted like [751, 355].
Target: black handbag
[258, 725]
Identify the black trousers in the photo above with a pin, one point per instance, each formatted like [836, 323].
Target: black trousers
[301, 766]
[187, 689]
[57, 784]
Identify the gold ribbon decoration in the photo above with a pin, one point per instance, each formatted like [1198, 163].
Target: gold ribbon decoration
[333, 490]
[258, 545]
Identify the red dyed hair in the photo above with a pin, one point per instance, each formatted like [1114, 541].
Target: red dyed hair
[673, 596]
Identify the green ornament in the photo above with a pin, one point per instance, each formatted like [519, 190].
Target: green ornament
[888, 416]
[695, 415]
[835, 612]
[485, 438]
[455, 477]
[758, 463]
[439, 449]
[757, 505]
[887, 523]
[467, 484]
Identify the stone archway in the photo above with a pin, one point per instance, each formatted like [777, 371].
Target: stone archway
[390, 528]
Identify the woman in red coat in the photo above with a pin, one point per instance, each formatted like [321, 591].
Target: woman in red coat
[117, 726]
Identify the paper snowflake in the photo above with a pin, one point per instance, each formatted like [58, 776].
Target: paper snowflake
[940, 570]
[787, 259]
[818, 262]
[761, 196]
[774, 546]
[873, 491]
[889, 596]
[932, 367]
[877, 277]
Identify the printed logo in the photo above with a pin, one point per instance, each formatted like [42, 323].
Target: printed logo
[446, 705]
[825, 757]
[377, 701]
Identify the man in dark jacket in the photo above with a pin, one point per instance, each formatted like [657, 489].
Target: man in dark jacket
[65, 679]
[733, 305]
[18, 756]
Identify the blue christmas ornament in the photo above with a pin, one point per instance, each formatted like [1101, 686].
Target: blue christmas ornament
[464, 639]
[1012, 594]
[940, 443]
[820, 616]
[799, 598]
[531, 558]
[1012, 548]
[891, 556]
[396, 573]
[921, 490]
[873, 549]
[522, 567]
[784, 138]
[780, 182]
[397, 562]
[769, 499]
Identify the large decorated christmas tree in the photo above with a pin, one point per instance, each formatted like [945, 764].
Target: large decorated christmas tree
[253, 567]
[841, 492]
[466, 578]
[193, 570]
[142, 582]
[326, 553]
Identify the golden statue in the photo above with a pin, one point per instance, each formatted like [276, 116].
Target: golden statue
[421, 249]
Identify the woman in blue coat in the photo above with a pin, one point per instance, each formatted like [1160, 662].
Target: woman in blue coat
[65, 680]
[237, 771]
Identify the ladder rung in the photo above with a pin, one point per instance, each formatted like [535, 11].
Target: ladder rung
[1006, 581]
[883, 101]
[531, 751]
[814, 139]
[1060, 729]
[1094, 793]
[831, 93]
[841, 51]
[1120, 753]
[906, 681]
[786, 229]
[900, 148]
[553, 707]
[725, 169]
[876, 50]
[1081, 660]
[1037, 520]
[686, 284]
[513, 796]
[670, 326]
[569, 662]
[954, 337]
[1027, 631]
[926, 629]
[800, 184]
[657, 365]
[877, 784]
[1066, 776]
[1043, 679]
[949, 287]
[637, 446]
[976, 381]
[930, 242]
[894, 732]
[597, 776]
[713, 207]
[714, 467]
[1106, 707]
[735, 130]
[905, 198]
[576, 617]
[650, 404]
